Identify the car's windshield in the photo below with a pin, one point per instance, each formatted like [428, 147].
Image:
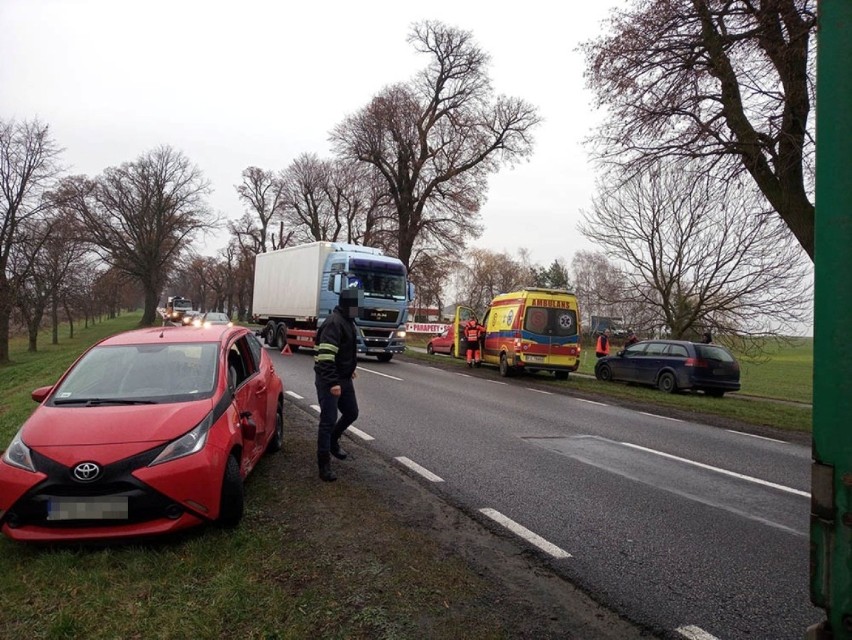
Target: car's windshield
[216, 317]
[159, 372]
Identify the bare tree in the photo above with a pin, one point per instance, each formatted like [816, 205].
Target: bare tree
[700, 253]
[307, 209]
[431, 279]
[436, 139]
[483, 274]
[142, 216]
[727, 81]
[261, 190]
[28, 166]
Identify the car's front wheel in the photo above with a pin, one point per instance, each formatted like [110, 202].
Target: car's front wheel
[666, 383]
[232, 501]
[430, 350]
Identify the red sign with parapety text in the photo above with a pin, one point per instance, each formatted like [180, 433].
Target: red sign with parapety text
[425, 327]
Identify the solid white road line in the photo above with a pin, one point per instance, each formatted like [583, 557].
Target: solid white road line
[751, 435]
[695, 633]
[526, 534]
[384, 375]
[431, 477]
[547, 393]
[732, 474]
[293, 394]
[592, 402]
[359, 433]
[654, 415]
[316, 408]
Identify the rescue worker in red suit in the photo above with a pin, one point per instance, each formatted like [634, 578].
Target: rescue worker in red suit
[602, 347]
[473, 331]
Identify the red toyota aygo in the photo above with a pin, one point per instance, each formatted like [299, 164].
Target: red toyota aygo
[149, 432]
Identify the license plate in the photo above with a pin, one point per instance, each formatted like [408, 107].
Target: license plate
[88, 508]
[534, 358]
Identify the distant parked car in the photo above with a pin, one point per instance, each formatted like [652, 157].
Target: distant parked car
[444, 343]
[149, 432]
[673, 365]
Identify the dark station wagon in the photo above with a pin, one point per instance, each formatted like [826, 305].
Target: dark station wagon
[674, 365]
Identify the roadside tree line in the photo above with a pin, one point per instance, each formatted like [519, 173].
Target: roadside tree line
[706, 175]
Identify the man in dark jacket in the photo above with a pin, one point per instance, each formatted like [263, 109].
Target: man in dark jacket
[334, 366]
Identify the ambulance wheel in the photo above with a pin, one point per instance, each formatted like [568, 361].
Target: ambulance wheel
[505, 369]
[561, 375]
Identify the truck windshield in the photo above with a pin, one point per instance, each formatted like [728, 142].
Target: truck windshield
[378, 279]
[183, 304]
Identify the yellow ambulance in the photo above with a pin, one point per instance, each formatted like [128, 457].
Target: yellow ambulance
[528, 330]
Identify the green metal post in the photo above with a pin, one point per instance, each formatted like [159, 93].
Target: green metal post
[831, 502]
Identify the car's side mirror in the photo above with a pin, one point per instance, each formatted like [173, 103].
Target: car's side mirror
[622, 353]
[41, 393]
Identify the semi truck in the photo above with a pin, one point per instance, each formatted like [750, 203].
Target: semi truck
[297, 288]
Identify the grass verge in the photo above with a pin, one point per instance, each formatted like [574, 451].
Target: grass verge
[691, 406]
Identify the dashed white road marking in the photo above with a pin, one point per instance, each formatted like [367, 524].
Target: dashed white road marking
[384, 375]
[751, 435]
[602, 404]
[547, 393]
[654, 415]
[316, 408]
[695, 633]
[463, 375]
[431, 477]
[526, 534]
[497, 382]
[359, 433]
[732, 474]
[293, 394]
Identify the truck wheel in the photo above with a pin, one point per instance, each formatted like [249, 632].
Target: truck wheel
[269, 334]
[280, 337]
[384, 357]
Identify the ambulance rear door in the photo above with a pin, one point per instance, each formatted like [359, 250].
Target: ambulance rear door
[463, 314]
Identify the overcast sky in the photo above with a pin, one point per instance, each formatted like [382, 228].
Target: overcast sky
[243, 83]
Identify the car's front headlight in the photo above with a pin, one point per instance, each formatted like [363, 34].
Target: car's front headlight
[187, 444]
[18, 454]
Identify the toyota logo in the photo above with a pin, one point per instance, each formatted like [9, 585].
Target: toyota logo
[86, 471]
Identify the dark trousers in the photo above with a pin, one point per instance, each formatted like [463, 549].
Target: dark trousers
[330, 428]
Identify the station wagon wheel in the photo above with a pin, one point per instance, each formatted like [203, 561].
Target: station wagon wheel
[666, 383]
[231, 503]
[715, 393]
[604, 373]
[277, 440]
[430, 350]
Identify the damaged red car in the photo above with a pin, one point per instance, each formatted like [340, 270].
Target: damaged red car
[150, 432]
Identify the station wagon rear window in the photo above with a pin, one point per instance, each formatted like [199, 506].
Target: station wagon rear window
[713, 352]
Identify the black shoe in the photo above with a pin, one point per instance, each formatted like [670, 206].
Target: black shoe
[339, 452]
[470, 365]
[325, 472]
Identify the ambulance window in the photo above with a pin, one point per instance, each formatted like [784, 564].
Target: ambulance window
[547, 321]
[564, 322]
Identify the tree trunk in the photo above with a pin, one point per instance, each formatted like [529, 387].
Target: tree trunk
[5, 314]
[149, 315]
[54, 318]
[70, 320]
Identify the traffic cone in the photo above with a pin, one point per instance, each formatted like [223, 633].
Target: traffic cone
[286, 350]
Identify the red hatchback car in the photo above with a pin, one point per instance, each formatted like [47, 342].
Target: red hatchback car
[444, 343]
[149, 432]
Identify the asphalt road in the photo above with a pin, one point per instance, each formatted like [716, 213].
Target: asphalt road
[688, 529]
